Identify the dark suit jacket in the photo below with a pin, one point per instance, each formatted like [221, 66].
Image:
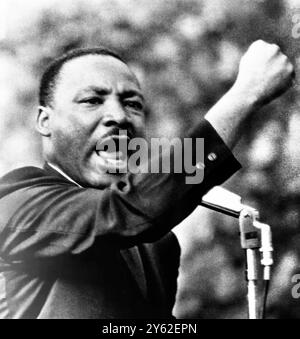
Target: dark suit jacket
[71, 252]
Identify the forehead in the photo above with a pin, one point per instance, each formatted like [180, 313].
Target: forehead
[96, 70]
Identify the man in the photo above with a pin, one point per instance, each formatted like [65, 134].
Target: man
[77, 241]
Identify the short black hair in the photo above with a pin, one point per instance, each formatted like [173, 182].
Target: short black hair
[51, 74]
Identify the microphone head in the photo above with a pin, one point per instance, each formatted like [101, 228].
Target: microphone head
[222, 200]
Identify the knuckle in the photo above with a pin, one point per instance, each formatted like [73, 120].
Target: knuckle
[291, 68]
[285, 59]
[275, 50]
[260, 42]
[275, 47]
[257, 44]
[269, 49]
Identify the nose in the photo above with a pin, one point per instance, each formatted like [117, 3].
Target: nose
[115, 115]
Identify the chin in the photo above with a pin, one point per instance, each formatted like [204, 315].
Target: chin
[103, 180]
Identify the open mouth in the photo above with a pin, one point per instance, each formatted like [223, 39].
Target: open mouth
[113, 152]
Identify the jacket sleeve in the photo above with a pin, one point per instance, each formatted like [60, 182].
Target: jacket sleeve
[42, 217]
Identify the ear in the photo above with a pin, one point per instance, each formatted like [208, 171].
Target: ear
[43, 121]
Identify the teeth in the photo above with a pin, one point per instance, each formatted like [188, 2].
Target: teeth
[112, 156]
[116, 162]
[112, 160]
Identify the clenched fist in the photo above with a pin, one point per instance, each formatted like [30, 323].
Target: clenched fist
[265, 73]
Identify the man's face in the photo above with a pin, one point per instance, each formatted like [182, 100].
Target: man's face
[95, 98]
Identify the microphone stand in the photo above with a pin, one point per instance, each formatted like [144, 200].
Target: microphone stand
[256, 238]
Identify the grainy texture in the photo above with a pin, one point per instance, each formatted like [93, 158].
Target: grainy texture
[187, 52]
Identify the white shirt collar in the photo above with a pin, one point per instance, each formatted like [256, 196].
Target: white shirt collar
[63, 174]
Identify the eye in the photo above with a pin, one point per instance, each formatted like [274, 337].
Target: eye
[92, 101]
[136, 105]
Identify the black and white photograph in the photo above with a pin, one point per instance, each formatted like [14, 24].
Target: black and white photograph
[149, 162]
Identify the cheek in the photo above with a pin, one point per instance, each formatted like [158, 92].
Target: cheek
[63, 142]
[80, 124]
[68, 128]
[140, 126]
[69, 142]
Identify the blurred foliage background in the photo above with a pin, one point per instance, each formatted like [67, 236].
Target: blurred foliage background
[186, 54]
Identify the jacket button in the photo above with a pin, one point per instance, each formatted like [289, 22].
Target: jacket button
[212, 157]
[200, 166]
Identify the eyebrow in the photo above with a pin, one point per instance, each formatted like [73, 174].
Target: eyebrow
[106, 90]
[132, 93]
[99, 90]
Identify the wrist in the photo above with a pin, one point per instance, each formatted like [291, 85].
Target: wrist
[245, 97]
[229, 114]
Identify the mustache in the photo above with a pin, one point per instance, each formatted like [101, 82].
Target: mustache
[118, 137]
[115, 131]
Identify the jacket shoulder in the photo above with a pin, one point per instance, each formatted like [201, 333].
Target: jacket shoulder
[26, 177]
[169, 243]
[23, 173]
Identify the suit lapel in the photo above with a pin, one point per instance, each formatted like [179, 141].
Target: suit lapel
[53, 172]
[131, 256]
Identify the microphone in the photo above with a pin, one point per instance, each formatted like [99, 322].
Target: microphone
[254, 235]
[223, 201]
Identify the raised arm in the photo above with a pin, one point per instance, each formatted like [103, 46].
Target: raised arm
[265, 73]
[42, 217]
